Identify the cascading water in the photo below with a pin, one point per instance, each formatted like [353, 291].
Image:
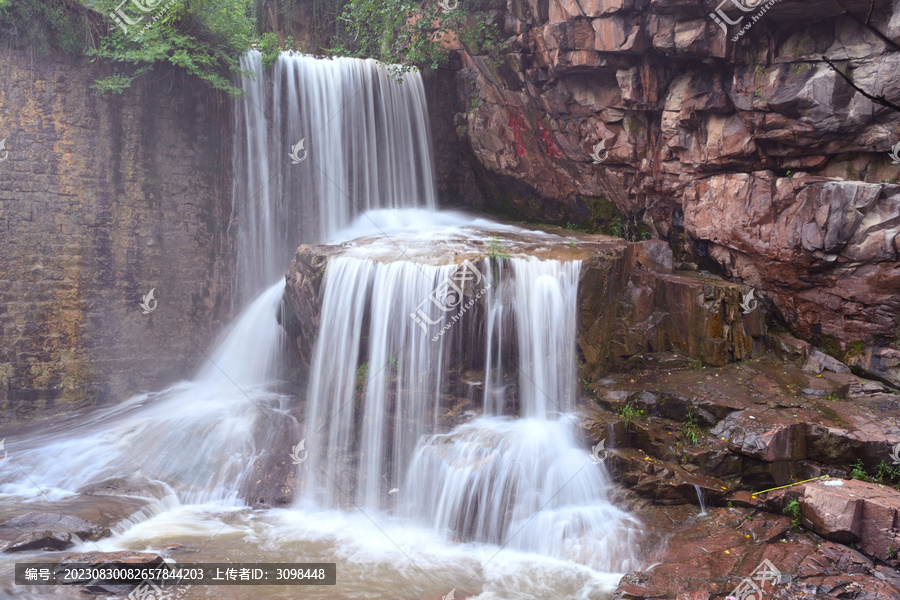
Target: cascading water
[179, 436]
[365, 145]
[379, 383]
[376, 417]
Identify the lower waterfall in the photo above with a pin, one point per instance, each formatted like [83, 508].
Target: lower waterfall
[516, 475]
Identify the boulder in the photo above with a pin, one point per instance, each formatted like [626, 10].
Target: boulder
[855, 511]
[46, 531]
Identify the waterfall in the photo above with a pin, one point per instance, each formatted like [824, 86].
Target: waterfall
[379, 384]
[335, 150]
[366, 145]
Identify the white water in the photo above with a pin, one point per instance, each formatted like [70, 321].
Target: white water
[198, 438]
[379, 385]
[514, 479]
[366, 146]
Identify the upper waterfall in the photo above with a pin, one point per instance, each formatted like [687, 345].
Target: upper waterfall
[316, 143]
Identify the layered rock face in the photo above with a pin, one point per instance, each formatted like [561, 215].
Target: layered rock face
[101, 200]
[629, 302]
[753, 157]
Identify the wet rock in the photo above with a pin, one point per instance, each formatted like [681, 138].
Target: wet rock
[761, 432]
[883, 363]
[766, 441]
[300, 316]
[818, 361]
[46, 531]
[630, 303]
[709, 556]
[100, 560]
[791, 346]
[761, 169]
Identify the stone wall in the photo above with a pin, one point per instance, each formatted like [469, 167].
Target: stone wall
[102, 199]
[753, 158]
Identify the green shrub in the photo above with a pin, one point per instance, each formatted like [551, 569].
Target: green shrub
[406, 35]
[859, 471]
[691, 428]
[630, 413]
[793, 509]
[45, 25]
[495, 250]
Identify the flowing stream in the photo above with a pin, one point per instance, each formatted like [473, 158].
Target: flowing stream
[410, 497]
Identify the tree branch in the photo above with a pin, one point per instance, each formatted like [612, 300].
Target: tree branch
[881, 100]
[867, 25]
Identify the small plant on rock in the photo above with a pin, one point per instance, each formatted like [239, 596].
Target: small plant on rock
[859, 471]
[495, 249]
[630, 413]
[892, 554]
[885, 472]
[691, 427]
[793, 509]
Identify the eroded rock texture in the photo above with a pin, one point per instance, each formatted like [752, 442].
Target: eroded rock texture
[101, 200]
[629, 302]
[754, 158]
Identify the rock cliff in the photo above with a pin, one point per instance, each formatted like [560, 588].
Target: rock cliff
[101, 200]
[744, 148]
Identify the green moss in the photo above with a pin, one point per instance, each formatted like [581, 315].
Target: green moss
[45, 25]
[634, 126]
[832, 346]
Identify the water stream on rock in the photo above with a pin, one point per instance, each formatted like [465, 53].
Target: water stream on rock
[409, 498]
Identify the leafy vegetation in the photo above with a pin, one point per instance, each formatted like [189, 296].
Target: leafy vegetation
[859, 471]
[409, 35]
[793, 509]
[886, 472]
[691, 428]
[203, 37]
[207, 37]
[362, 376]
[630, 413]
[45, 25]
[495, 250]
